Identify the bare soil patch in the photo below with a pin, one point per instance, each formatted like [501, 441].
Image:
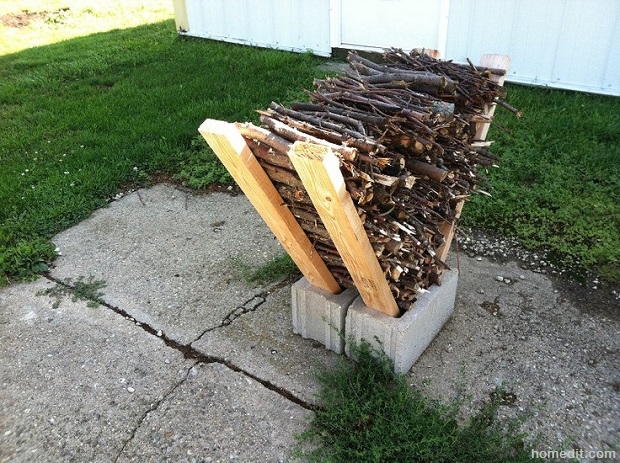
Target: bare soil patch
[25, 17]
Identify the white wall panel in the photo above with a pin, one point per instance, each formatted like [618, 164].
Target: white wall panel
[379, 24]
[572, 44]
[300, 25]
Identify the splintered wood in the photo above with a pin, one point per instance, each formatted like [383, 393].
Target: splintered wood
[404, 132]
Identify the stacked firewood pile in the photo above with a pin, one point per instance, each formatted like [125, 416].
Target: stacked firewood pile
[404, 131]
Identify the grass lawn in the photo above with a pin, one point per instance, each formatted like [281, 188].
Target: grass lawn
[81, 117]
[558, 185]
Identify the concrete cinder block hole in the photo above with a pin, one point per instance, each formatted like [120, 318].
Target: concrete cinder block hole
[320, 315]
[404, 339]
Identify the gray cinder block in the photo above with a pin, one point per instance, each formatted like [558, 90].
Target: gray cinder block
[404, 339]
[320, 315]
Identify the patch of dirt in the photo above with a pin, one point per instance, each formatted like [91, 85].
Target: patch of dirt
[19, 20]
[25, 17]
[592, 297]
[492, 307]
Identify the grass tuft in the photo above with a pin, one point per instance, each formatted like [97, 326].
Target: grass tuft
[25, 259]
[199, 167]
[370, 414]
[81, 290]
[279, 267]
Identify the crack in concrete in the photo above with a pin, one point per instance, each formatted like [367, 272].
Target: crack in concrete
[154, 406]
[248, 306]
[140, 197]
[190, 353]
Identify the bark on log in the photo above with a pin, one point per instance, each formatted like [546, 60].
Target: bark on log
[424, 168]
[348, 154]
[264, 136]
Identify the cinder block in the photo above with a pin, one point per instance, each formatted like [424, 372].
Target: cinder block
[320, 315]
[404, 339]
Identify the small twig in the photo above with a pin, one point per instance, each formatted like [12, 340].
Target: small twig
[512, 109]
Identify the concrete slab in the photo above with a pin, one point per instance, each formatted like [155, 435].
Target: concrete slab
[513, 327]
[75, 380]
[553, 350]
[404, 339]
[263, 343]
[320, 315]
[170, 259]
[219, 415]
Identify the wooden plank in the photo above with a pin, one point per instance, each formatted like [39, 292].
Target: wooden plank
[429, 52]
[230, 147]
[494, 62]
[448, 229]
[180, 15]
[319, 170]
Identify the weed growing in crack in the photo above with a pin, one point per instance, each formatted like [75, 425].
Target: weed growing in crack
[81, 290]
[370, 414]
[277, 268]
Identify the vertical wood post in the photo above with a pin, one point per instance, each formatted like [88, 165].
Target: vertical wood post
[230, 147]
[319, 170]
[447, 229]
[495, 62]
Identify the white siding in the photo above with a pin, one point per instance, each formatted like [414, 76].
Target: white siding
[283, 24]
[573, 44]
[379, 24]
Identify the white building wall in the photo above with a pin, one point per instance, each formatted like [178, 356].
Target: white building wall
[572, 44]
[300, 25]
[379, 24]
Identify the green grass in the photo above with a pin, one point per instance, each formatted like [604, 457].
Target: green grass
[277, 268]
[200, 167]
[558, 185]
[104, 94]
[82, 117]
[80, 290]
[371, 415]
